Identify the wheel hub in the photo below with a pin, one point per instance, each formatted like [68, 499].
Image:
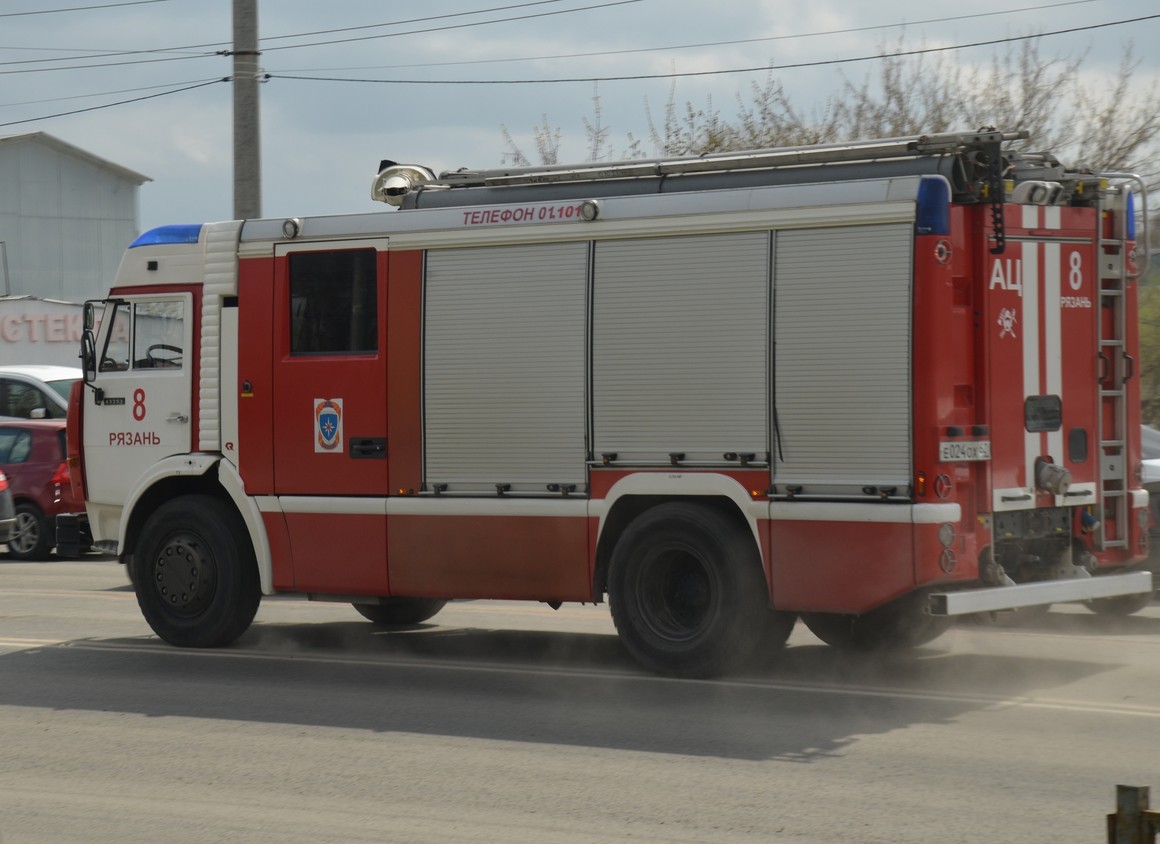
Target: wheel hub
[679, 607]
[26, 535]
[185, 576]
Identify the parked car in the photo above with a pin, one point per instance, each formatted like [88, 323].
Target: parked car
[32, 455]
[7, 511]
[36, 391]
[1150, 476]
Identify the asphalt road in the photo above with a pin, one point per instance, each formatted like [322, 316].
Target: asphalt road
[508, 722]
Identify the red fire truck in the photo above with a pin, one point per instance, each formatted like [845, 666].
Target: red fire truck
[873, 385]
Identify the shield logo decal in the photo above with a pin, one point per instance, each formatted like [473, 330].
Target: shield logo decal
[328, 425]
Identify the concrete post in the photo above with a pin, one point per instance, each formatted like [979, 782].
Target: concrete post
[247, 141]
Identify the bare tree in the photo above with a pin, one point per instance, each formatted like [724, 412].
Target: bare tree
[1118, 130]
[546, 138]
[1110, 126]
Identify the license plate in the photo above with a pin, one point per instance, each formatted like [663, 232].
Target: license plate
[972, 450]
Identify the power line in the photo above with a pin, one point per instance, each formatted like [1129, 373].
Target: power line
[115, 53]
[80, 8]
[108, 64]
[453, 26]
[320, 43]
[104, 93]
[191, 86]
[90, 54]
[96, 55]
[414, 20]
[697, 73]
[86, 53]
[701, 45]
[111, 105]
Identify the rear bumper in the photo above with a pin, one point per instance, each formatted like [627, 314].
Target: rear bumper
[992, 599]
[73, 536]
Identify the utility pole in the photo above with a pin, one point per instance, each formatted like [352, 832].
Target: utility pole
[247, 145]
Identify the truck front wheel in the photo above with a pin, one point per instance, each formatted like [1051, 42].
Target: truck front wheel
[195, 574]
[687, 592]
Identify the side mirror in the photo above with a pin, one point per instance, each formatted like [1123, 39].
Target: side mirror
[89, 316]
[89, 352]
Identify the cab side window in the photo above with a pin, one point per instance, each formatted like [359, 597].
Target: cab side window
[158, 335]
[333, 307]
[144, 335]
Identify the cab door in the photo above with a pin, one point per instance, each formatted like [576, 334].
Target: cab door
[329, 425]
[140, 409]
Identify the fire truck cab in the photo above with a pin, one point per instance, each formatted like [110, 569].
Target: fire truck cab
[874, 386]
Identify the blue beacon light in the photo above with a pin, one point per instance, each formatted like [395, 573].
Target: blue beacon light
[189, 233]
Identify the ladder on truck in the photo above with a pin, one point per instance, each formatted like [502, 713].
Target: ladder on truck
[1117, 367]
[395, 181]
[763, 159]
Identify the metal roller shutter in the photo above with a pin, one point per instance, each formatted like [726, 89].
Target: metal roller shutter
[504, 367]
[842, 324]
[680, 347]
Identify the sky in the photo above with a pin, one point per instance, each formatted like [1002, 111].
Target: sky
[143, 83]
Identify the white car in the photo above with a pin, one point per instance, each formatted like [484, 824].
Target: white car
[36, 391]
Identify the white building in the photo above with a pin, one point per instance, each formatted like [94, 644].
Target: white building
[66, 216]
[36, 330]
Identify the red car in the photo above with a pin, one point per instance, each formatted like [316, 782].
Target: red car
[32, 455]
[7, 513]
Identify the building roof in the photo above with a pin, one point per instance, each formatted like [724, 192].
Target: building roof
[76, 152]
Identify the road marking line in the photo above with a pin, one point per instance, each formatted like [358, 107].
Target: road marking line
[25, 643]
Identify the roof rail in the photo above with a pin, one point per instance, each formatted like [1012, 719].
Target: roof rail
[889, 148]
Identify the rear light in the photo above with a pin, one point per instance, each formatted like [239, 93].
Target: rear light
[3, 482]
[61, 476]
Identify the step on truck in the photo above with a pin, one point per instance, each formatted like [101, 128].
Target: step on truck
[873, 386]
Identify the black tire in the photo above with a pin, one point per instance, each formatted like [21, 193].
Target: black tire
[1121, 605]
[32, 537]
[400, 612]
[899, 625]
[687, 592]
[195, 574]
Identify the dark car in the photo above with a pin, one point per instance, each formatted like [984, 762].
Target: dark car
[36, 391]
[32, 455]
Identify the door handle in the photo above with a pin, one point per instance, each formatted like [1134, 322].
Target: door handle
[368, 448]
[177, 417]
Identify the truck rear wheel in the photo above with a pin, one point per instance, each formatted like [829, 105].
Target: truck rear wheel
[195, 574]
[687, 592]
[400, 612]
[899, 625]
[1121, 605]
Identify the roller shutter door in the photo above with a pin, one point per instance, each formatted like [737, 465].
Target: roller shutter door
[504, 367]
[680, 347]
[842, 326]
